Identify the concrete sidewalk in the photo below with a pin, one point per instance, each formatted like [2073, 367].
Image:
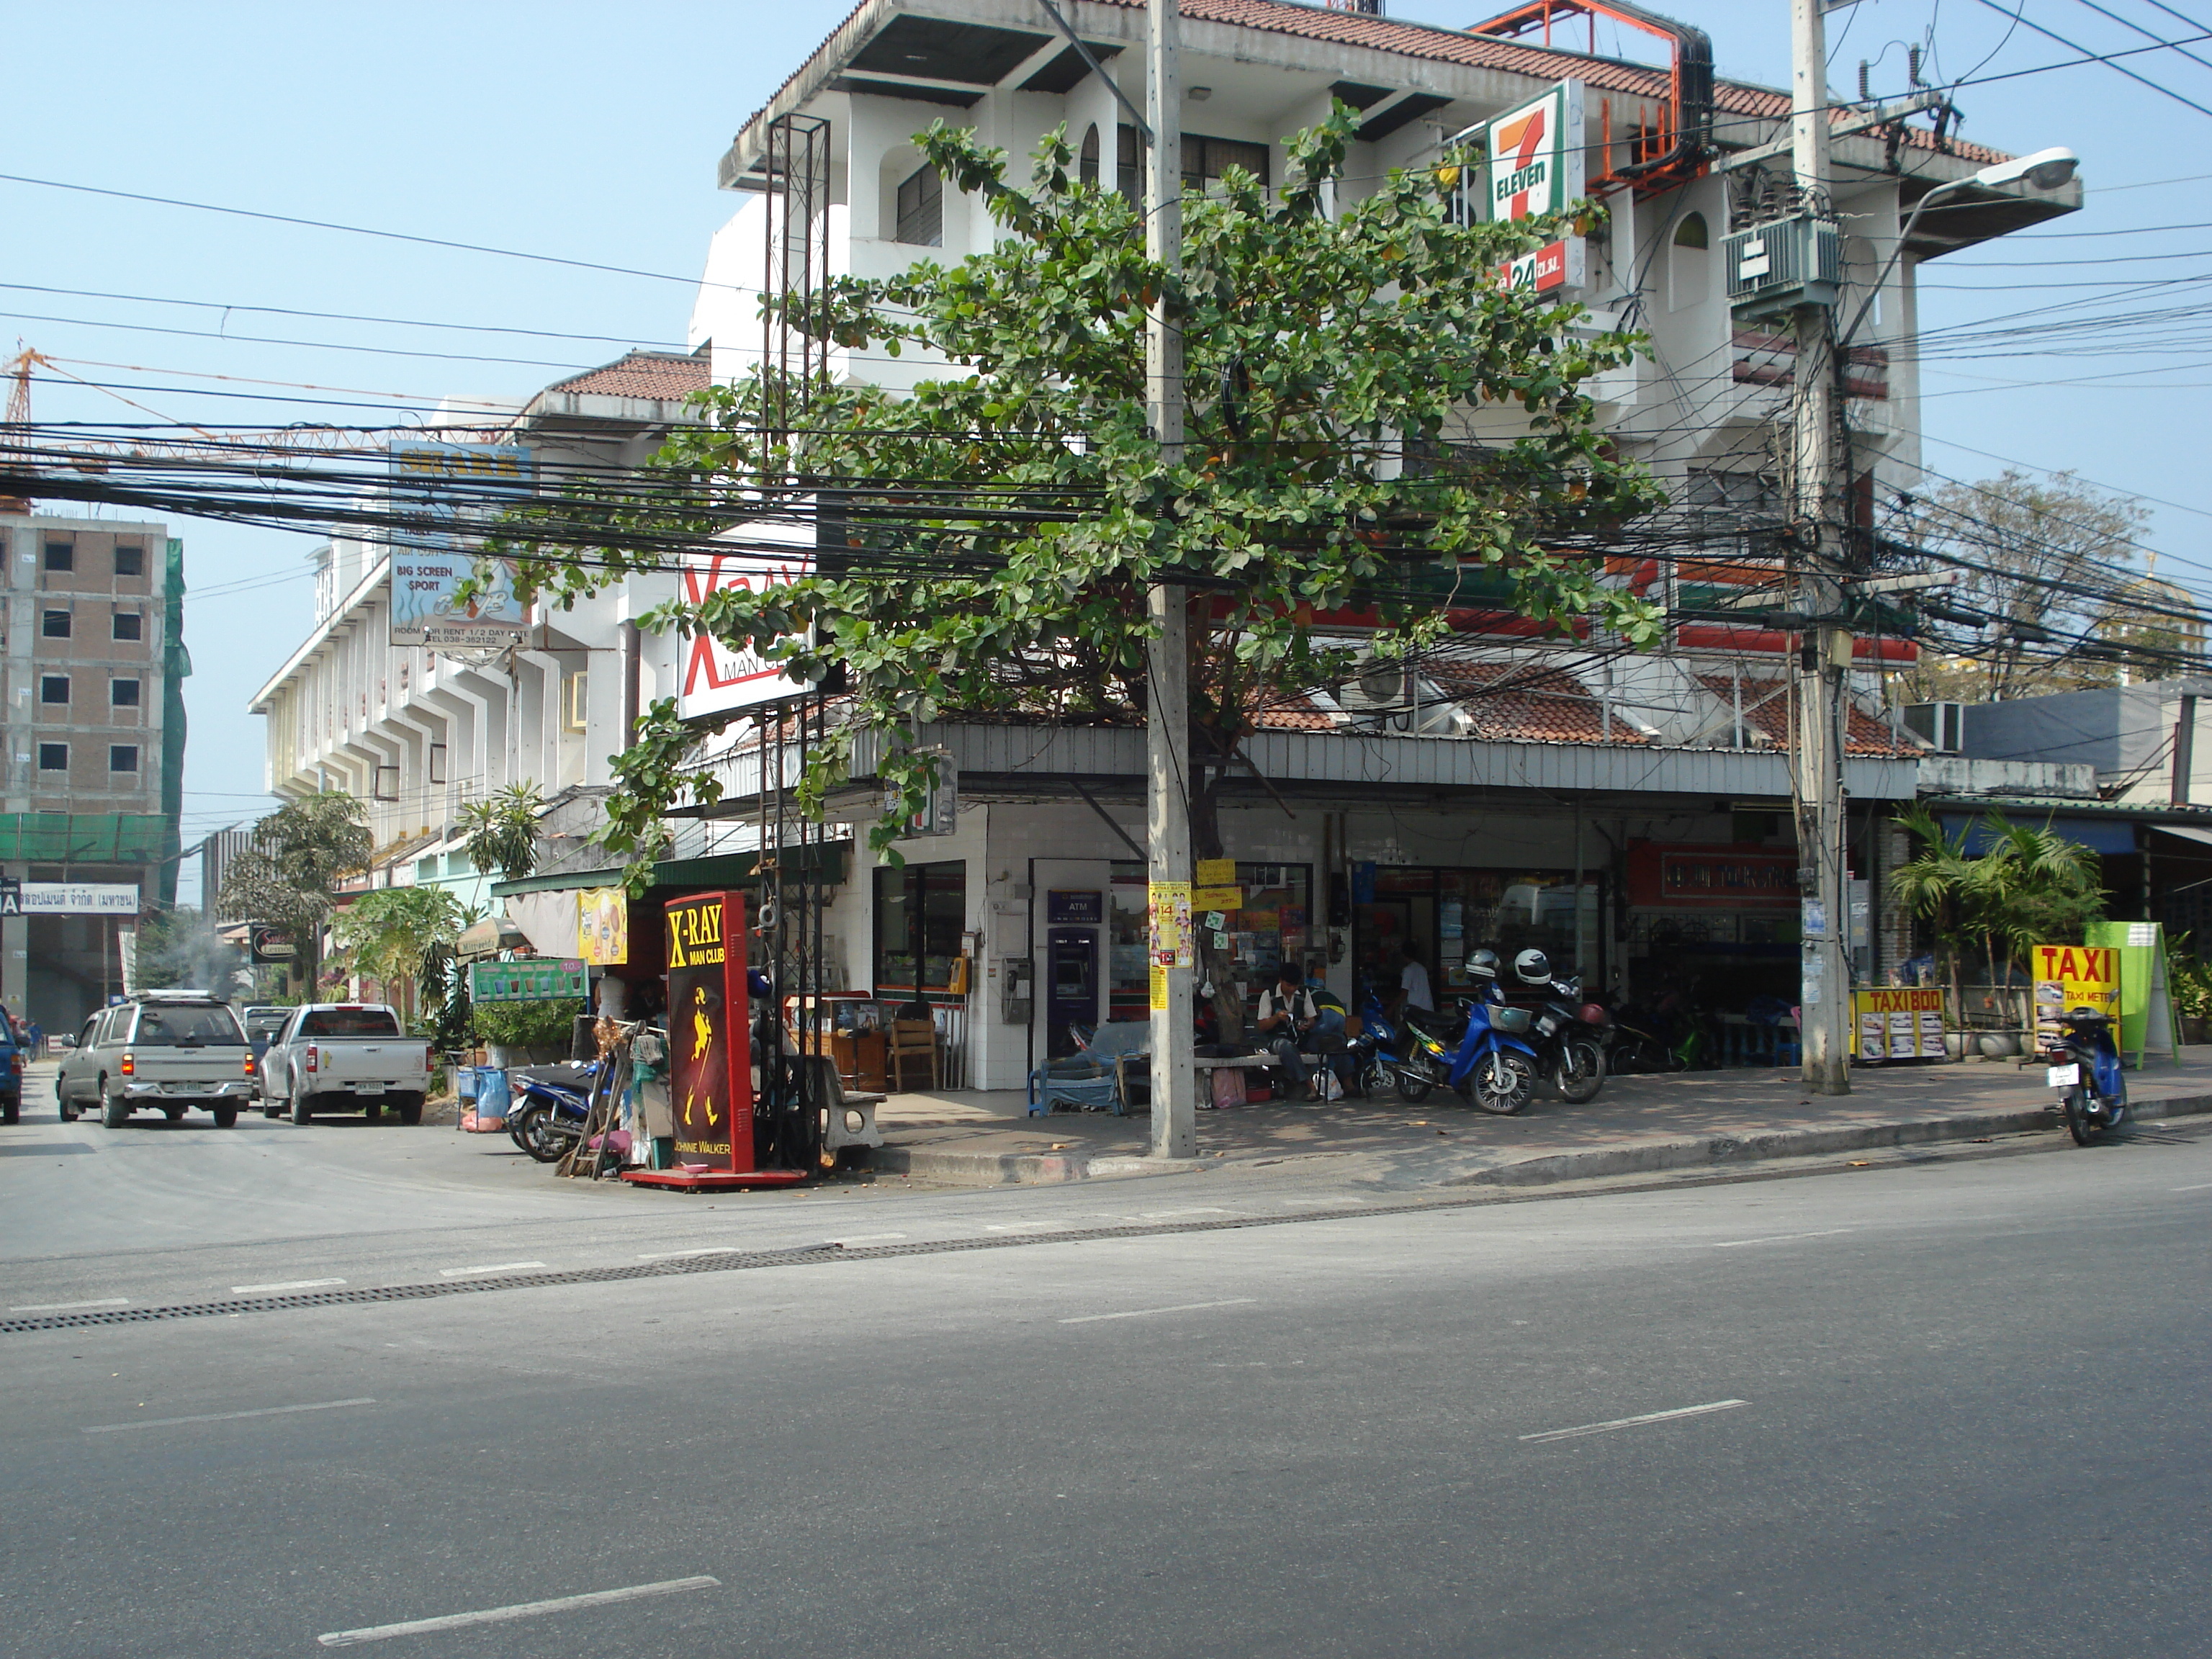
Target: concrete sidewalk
[1691, 1119]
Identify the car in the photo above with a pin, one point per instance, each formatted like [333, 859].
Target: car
[339, 1057]
[171, 1050]
[264, 1020]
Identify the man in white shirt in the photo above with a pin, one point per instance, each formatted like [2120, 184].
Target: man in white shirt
[1413, 990]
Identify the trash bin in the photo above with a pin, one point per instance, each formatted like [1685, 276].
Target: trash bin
[465, 1082]
[493, 1098]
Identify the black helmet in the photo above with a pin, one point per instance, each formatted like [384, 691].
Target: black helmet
[1533, 967]
[1483, 964]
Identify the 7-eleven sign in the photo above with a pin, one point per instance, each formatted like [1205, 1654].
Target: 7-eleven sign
[1535, 154]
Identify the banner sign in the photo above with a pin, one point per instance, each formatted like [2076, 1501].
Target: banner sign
[1168, 904]
[463, 486]
[1081, 908]
[1535, 155]
[79, 898]
[1905, 1023]
[710, 1085]
[716, 679]
[531, 979]
[1712, 876]
[1558, 267]
[11, 897]
[269, 944]
[2070, 976]
[603, 926]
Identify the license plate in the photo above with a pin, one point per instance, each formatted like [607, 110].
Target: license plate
[2063, 1077]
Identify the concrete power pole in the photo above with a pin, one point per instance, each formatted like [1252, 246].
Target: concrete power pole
[1166, 747]
[1825, 662]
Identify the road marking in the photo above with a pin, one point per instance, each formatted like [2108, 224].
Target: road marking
[865, 1238]
[284, 1284]
[104, 1302]
[346, 1638]
[1141, 1313]
[1020, 1226]
[2200, 1187]
[1783, 1238]
[494, 1267]
[1167, 1215]
[657, 1255]
[224, 1417]
[1637, 1422]
[1330, 1202]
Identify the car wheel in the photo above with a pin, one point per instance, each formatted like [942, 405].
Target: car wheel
[408, 1107]
[62, 1108]
[303, 1105]
[226, 1117]
[114, 1110]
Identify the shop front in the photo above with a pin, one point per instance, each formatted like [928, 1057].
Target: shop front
[1440, 915]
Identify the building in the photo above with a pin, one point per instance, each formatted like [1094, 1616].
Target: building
[95, 752]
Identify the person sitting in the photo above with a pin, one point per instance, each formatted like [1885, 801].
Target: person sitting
[1288, 1018]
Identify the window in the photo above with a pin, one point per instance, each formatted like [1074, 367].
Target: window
[188, 1026]
[920, 912]
[921, 209]
[61, 555]
[349, 1022]
[1275, 923]
[437, 763]
[122, 758]
[1204, 161]
[123, 694]
[130, 625]
[1086, 161]
[1689, 265]
[55, 624]
[129, 560]
[53, 757]
[53, 688]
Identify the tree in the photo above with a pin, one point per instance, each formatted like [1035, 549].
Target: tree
[1004, 522]
[502, 830]
[181, 949]
[391, 931]
[288, 876]
[2054, 569]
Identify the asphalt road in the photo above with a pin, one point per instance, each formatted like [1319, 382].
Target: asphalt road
[1955, 1408]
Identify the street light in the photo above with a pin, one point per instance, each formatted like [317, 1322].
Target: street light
[2047, 169]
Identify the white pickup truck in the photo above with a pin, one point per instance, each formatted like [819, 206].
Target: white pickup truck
[345, 1056]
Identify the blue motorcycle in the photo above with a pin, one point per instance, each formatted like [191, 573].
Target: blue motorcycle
[1493, 1068]
[2085, 1062]
[551, 1104]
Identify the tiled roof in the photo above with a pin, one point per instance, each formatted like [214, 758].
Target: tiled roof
[1771, 714]
[1514, 703]
[1294, 713]
[1475, 50]
[662, 376]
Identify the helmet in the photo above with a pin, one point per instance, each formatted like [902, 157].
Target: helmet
[1483, 964]
[1533, 967]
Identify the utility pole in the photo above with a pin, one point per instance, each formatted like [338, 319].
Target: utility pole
[1167, 736]
[1826, 659]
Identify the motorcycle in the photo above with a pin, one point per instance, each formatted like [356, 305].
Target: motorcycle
[552, 1103]
[1410, 1052]
[1495, 1068]
[2085, 1062]
[1570, 1038]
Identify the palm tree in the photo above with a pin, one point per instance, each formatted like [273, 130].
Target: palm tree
[1939, 885]
[289, 875]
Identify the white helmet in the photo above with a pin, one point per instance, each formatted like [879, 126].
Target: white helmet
[1533, 967]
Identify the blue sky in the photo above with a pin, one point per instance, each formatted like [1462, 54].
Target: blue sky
[591, 132]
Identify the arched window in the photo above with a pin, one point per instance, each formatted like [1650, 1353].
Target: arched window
[1086, 165]
[1689, 262]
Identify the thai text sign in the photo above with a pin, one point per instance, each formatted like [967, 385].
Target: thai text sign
[1904, 1023]
[2070, 976]
[1535, 152]
[456, 489]
[710, 1085]
[1555, 268]
[531, 979]
[80, 898]
[1711, 875]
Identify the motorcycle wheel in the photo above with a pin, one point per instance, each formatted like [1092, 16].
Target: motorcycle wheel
[1579, 1071]
[1374, 1077]
[1414, 1080]
[540, 1138]
[1501, 1083]
[2077, 1119]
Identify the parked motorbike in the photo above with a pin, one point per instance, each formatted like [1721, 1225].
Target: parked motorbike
[551, 1104]
[1568, 1036]
[2085, 1062]
[1495, 1068]
[1412, 1053]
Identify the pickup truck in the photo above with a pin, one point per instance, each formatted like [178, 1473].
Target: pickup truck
[170, 1050]
[345, 1056]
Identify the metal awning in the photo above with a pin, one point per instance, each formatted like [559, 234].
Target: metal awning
[2181, 832]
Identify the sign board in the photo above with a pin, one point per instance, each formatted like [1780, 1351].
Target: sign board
[1169, 904]
[2070, 976]
[1077, 909]
[11, 897]
[80, 898]
[1535, 155]
[940, 806]
[2147, 1019]
[529, 979]
[603, 926]
[1561, 267]
[266, 942]
[1720, 876]
[460, 489]
[710, 1085]
[1901, 1024]
[715, 679]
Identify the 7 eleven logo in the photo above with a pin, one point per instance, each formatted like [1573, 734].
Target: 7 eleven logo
[1514, 144]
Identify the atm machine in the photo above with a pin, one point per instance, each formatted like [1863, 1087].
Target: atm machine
[1071, 986]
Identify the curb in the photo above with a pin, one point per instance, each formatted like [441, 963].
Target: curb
[1697, 1151]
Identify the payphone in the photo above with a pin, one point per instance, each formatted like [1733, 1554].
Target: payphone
[1072, 990]
[1014, 989]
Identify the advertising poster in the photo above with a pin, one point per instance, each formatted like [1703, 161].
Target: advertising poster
[459, 489]
[1901, 1022]
[716, 679]
[710, 1085]
[2070, 977]
[603, 926]
[1169, 904]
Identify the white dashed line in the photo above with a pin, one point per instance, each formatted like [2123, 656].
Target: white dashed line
[346, 1638]
[494, 1267]
[224, 1417]
[1141, 1313]
[2200, 1187]
[284, 1284]
[1783, 1238]
[1637, 1422]
[866, 1238]
[71, 1307]
[656, 1256]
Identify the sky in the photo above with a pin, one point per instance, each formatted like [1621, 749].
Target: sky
[590, 132]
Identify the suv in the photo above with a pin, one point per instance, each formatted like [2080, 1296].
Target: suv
[172, 1050]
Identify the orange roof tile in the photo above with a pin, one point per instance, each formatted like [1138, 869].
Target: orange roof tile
[662, 376]
[1515, 703]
